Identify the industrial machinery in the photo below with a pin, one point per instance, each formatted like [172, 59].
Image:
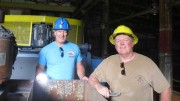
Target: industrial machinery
[8, 52]
[32, 33]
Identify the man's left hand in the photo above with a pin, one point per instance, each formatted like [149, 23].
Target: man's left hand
[84, 78]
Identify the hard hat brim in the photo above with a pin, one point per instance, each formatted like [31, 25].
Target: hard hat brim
[135, 39]
[61, 29]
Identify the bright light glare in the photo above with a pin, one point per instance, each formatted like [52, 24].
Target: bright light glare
[42, 78]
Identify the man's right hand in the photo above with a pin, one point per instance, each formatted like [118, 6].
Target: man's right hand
[102, 90]
[41, 76]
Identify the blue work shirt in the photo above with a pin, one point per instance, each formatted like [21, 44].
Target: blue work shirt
[58, 67]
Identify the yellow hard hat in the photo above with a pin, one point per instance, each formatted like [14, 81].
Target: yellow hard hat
[124, 30]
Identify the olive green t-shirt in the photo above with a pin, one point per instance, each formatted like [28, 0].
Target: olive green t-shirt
[142, 77]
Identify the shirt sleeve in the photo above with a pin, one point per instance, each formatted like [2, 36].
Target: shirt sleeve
[79, 57]
[159, 82]
[42, 57]
[100, 71]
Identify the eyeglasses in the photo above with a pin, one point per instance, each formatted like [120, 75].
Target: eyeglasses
[61, 51]
[123, 72]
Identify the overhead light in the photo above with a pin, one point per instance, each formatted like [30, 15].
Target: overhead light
[155, 8]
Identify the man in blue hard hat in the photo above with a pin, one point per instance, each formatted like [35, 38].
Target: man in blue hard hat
[60, 57]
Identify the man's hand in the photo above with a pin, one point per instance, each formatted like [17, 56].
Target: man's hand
[102, 90]
[41, 77]
[84, 78]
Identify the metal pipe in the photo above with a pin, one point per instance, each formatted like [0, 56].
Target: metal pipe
[132, 16]
[82, 7]
[105, 28]
[87, 4]
[92, 5]
[2, 16]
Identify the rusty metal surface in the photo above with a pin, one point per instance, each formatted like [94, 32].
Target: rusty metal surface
[8, 54]
[92, 94]
[66, 90]
[5, 65]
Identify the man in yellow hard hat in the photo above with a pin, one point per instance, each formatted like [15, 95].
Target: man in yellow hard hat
[130, 75]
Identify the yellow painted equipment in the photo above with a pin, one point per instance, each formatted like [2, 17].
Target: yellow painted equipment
[22, 27]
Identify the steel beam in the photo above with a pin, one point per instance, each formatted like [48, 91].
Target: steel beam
[39, 7]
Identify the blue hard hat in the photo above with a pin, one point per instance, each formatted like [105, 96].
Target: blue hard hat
[61, 24]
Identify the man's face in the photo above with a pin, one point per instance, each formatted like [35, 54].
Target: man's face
[61, 35]
[123, 44]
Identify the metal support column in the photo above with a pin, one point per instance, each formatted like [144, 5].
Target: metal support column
[105, 28]
[165, 39]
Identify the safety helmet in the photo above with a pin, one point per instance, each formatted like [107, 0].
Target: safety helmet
[61, 24]
[124, 30]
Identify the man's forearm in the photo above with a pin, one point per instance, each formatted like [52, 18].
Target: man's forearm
[93, 81]
[80, 70]
[81, 75]
[40, 68]
[166, 95]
